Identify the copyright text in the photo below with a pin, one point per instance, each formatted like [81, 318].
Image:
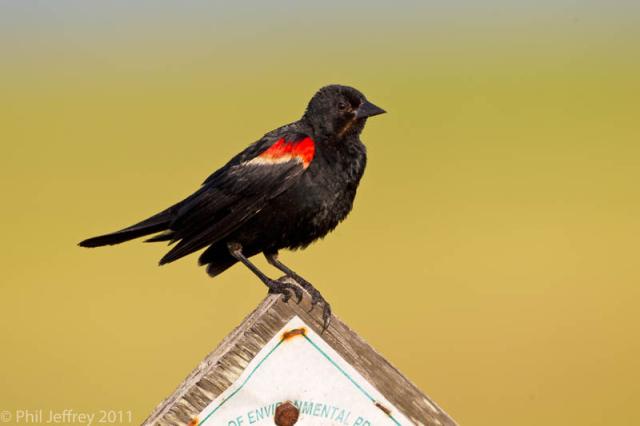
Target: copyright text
[66, 416]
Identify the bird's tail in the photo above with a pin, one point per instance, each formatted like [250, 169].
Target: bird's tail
[156, 223]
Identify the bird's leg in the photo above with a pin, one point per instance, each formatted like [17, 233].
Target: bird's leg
[275, 286]
[316, 297]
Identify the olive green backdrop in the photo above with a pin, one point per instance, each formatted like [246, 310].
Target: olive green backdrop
[492, 254]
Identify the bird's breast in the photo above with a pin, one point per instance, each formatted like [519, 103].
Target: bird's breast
[314, 205]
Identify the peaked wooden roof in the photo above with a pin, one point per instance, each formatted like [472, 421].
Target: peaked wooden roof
[222, 367]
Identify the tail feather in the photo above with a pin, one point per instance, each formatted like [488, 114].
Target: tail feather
[165, 236]
[157, 223]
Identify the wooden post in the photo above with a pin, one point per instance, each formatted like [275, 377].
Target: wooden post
[222, 368]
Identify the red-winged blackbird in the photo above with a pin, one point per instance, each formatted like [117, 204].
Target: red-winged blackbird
[287, 190]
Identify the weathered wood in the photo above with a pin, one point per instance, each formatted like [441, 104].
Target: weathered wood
[224, 365]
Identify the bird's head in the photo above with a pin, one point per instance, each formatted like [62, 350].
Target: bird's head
[339, 111]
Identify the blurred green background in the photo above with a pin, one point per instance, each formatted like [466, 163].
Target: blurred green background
[492, 255]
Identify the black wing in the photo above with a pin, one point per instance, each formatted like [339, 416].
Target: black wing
[229, 197]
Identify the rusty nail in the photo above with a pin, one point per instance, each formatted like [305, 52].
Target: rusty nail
[286, 414]
[295, 332]
[383, 408]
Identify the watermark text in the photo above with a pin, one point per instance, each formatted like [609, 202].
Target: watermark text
[67, 416]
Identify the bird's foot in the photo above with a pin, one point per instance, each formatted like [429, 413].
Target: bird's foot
[285, 289]
[316, 298]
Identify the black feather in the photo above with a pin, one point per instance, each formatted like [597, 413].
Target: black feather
[156, 223]
[227, 202]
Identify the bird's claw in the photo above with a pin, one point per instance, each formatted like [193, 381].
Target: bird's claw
[316, 298]
[298, 292]
[326, 316]
[285, 289]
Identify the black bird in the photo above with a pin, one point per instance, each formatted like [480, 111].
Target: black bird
[286, 190]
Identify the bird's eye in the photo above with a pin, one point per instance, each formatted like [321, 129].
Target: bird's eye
[342, 106]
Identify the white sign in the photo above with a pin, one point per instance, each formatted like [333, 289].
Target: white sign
[296, 365]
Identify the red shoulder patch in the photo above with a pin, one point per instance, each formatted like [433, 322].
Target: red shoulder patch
[283, 151]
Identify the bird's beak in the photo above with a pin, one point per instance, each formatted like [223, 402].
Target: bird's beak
[367, 109]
